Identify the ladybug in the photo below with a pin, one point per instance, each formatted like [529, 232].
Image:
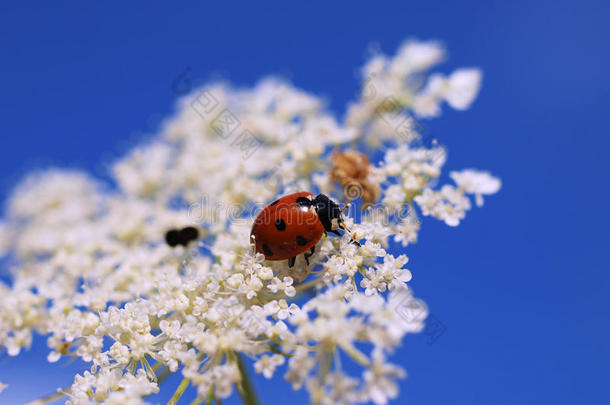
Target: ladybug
[294, 224]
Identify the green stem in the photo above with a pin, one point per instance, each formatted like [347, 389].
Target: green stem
[179, 391]
[307, 285]
[49, 398]
[274, 349]
[132, 367]
[157, 366]
[208, 400]
[161, 377]
[355, 354]
[248, 395]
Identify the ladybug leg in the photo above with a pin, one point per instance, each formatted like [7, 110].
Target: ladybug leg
[291, 261]
[309, 254]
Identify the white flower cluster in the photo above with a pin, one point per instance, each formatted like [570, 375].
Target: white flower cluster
[92, 270]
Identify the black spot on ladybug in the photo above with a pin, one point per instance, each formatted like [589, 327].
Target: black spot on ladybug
[304, 202]
[280, 224]
[172, 237]
[267, 251]
[275, 202]
[301, 241]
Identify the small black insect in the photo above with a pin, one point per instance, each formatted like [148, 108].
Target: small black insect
[183, 237]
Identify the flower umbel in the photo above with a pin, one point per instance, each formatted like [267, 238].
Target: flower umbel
[94, 274]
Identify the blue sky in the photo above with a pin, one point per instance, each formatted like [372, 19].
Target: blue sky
[520, 286]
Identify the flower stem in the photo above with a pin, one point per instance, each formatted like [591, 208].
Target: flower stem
[179, 391]
[307, 285]
[248, 395]
[274, 349]
[355, 354]
[164, 374]
[49, 398]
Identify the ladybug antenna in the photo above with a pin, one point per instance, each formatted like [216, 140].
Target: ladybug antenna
[351, 234]
[345, 207]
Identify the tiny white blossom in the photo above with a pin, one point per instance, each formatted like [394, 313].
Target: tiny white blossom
[284, 285]
[267, 364]
[380, 380]
[477, 183]
[415, 56]
[462, 88]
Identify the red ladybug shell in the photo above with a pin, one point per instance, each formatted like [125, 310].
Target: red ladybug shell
[286, 228]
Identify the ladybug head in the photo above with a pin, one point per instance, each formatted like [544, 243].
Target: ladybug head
[329, 213]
